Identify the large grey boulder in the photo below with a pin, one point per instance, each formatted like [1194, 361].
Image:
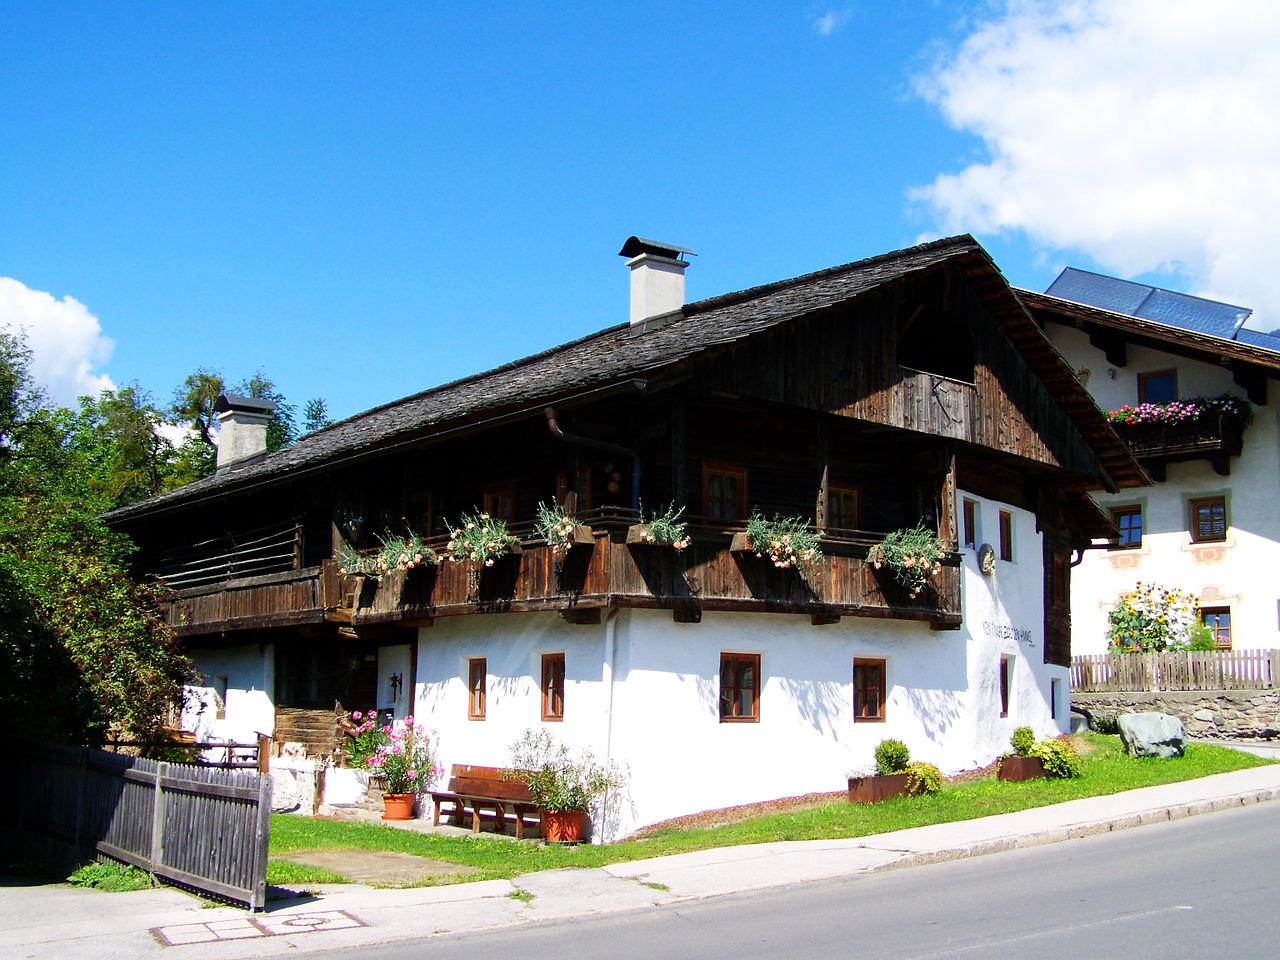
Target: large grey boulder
[1152, 734]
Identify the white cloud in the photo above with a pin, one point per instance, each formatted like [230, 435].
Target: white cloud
[1144, 133]
[831, 21]
[66, 341]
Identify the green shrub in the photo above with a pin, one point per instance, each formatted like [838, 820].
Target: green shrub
[1060, 758]
[1106, 723]
[111, 877]
[923, 778]
[892, 756]
[1023, 739]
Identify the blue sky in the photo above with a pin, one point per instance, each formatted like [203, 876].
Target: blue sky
[363, 201]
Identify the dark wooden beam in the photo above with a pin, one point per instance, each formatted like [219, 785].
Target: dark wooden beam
[1252, 381]
[581, 615]
[1110, 343]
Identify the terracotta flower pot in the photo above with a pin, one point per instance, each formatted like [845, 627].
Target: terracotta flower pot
[562, 826]
[397, 806]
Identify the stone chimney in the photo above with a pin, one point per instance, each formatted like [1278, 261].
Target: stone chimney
[243, 432]
[657, 277]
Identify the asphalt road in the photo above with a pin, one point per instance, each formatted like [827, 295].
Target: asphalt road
[1196, 888]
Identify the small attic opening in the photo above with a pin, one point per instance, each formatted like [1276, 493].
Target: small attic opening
[933, 340]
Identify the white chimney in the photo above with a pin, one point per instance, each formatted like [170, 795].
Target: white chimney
[657, 277]
[243, 431]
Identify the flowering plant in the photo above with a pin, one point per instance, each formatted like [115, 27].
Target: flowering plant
[555, 526]
[786, 541]
[481, 538]
[913, 554]
[1151, 618]
[556, 780]
[665, 528]
[365, 731]
[396, 553]
[404, 757]
[1182, 411]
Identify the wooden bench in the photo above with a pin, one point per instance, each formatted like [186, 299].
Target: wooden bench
[482, 789]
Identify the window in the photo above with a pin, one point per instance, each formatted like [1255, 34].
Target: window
[868, 690]
[1053, 699]
[969, 513]
[1006, 677]
[1128, 521]
[739, 687]
[553, 686]
[1158, 386]
[724, 492]
[843, 508]
[499, 503]
[1006, 535]
[1218, 620]
[1208, 519]
[477, 686]
[1059, 580]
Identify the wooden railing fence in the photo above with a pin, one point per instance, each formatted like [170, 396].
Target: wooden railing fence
[1175, 670]
[200, 827]
[247, 554]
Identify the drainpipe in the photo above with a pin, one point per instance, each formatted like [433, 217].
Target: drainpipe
[610, 654]
[554, 427]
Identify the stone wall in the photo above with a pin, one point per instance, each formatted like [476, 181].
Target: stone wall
[1207, 714]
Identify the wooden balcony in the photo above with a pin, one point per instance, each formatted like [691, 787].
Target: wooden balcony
[1216, 436]
[579, 584]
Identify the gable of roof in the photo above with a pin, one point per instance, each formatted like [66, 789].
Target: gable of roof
[622, 353]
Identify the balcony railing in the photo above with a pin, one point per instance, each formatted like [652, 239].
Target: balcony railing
[1216, 436]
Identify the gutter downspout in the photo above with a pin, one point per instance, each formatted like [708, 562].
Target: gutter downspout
[610, 655]
[556, 432]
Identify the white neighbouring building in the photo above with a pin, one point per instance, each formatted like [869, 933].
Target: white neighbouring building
[1210, 524]
[910, 388]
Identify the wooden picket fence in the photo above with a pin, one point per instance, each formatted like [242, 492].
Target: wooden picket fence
[197, 826]
[1175, 670]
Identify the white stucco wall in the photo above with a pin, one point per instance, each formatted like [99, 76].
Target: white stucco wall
[942, 697]
[249, 671]
[1241, 575]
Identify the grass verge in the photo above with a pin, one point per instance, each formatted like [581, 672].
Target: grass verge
[1106, 769]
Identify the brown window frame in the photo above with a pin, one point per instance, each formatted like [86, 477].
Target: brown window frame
[1143, 378]
[1006, 684]
[731, 664]
[861, 684]
[843, 490]
[1117, 514]
[712, 469]
[1217, 628]
[477, 687]
[1194, 526]
[1059, 580]
[969, 522]
[493, 498]
[1006, 535]
[552, 687]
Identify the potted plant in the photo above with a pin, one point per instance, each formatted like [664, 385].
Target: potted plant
[561, 531]
[1021, 764]
[661, 529]
[402, 553]
[565, 787]
[787, 542]
[401, 754]
[912, 554]
[890, 777]
[481, 539]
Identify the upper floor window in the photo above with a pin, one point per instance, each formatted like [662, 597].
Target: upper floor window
[1218, 620]
[1208, 519]
[1006, 535]
[1128, 521]
[500, 503]
[969, 512]
[843, 508]
[1158, 386]
[553, 686]
[724, 492]
[739, 687]
[1059, 580]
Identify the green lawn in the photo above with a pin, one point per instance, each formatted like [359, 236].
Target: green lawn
[1106, 769]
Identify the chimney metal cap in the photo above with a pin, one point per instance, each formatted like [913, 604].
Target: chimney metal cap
[230, 401]
[635, 246]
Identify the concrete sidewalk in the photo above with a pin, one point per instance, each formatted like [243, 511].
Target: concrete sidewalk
[60, 921]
